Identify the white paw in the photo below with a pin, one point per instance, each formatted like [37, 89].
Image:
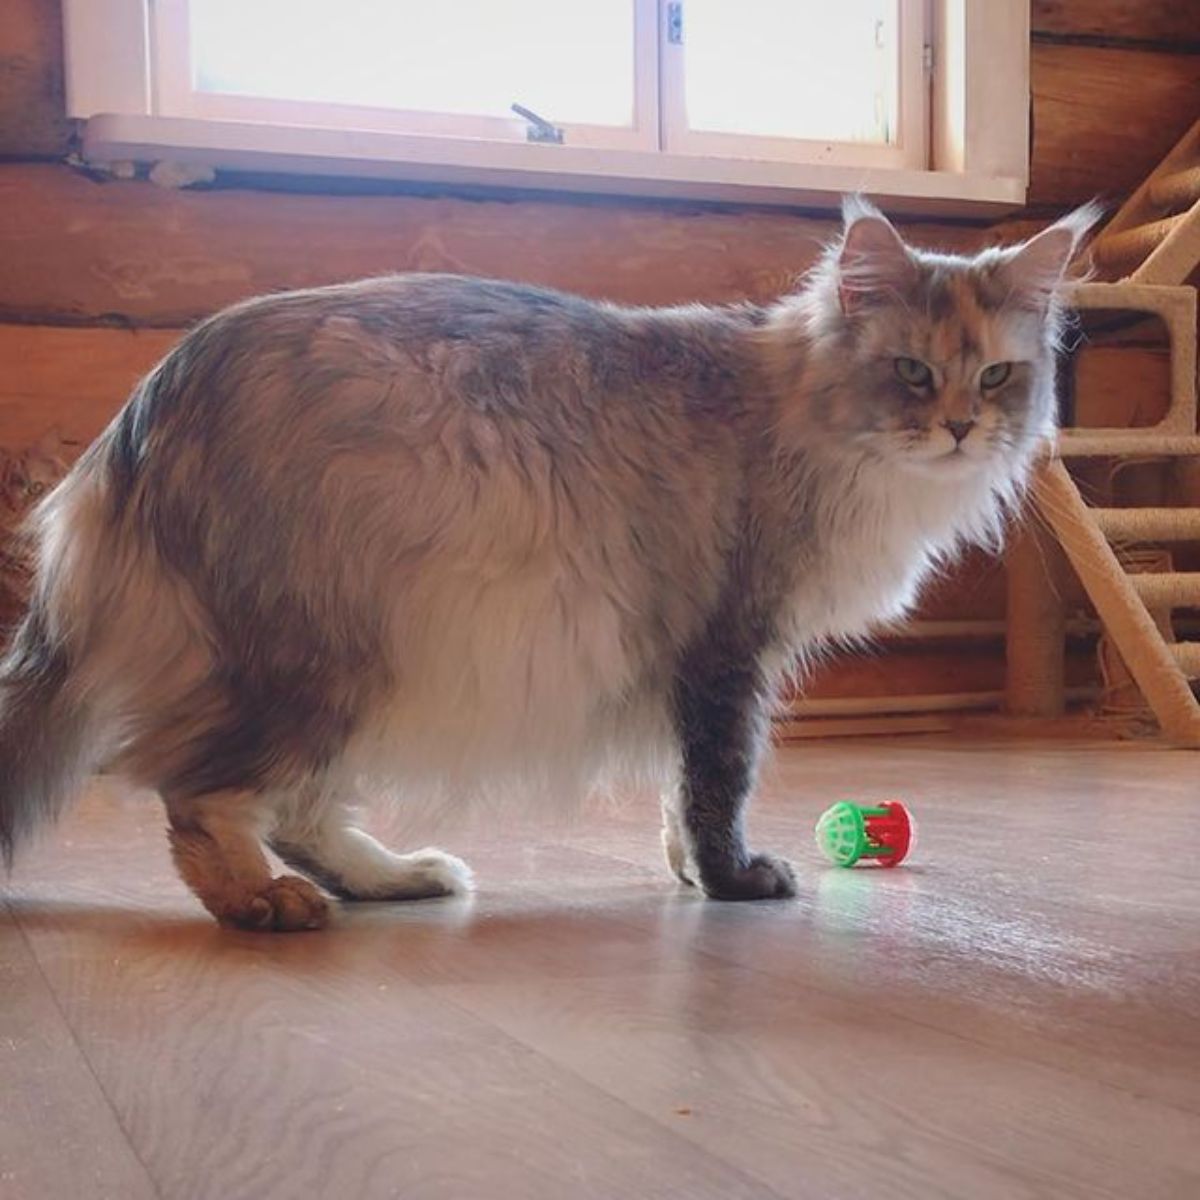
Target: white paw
[450, 875]
[417, 876]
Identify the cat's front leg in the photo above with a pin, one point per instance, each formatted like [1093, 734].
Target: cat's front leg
[722, 722]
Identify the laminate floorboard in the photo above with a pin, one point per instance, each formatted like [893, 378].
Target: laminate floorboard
[1014, 1013]
[58, 1134]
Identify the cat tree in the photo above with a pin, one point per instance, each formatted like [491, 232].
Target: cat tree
[1148, 252]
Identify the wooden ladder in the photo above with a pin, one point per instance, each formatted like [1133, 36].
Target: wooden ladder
[1161, 668]
[1145, 256]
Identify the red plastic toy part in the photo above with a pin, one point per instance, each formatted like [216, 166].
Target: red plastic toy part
[890, 834]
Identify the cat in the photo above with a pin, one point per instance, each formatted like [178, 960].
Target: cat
[464, 538]
[25, 476]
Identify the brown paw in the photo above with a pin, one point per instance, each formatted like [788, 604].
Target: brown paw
[285, 905]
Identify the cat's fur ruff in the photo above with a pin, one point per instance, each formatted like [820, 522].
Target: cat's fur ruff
[458, 538]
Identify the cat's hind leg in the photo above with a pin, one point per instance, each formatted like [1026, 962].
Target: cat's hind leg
[317, 835]
[674, 843]
[215, 842]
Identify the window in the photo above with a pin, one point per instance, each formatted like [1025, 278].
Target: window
[774, 100]
[412, 66]
[819, 82]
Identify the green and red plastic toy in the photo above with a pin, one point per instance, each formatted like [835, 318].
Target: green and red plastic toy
[879, 834]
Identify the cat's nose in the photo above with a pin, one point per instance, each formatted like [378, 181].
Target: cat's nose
[959, 429]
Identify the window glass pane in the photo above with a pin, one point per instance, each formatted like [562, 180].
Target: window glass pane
[569, 60]
[823, 70]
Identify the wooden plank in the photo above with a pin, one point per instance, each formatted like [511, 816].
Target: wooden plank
[244, 1066]
[912, 668]
[1103, 118]
[585, 1028]
[814, 1094]
[812, 728]
[72, 380]
[908, 669]
[33, 121]
[88, 364]
[58, 1135]
[1156, 21]
[74, 249]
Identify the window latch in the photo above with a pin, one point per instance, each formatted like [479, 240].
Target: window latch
[675, 24]
[538, 128]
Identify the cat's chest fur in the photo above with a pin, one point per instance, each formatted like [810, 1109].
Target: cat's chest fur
[875, 538]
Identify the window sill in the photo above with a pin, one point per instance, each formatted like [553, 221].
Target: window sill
[364, 154]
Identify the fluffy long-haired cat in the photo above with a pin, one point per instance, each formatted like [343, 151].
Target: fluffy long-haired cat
[453, 538]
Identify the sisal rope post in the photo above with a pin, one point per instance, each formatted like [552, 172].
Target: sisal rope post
[1121, 696]
[1035, 644]
[1130, 625]
[1135, 244]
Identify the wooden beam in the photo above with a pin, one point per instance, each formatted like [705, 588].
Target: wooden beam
[33, 121]
[1103, 118]
[812, 728]
[1158, 22]
[74, 249]
[72, 380]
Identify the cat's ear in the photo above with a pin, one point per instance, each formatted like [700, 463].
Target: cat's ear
[872, 262]
[1036, 270]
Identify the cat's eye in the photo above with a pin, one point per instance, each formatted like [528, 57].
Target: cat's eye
[913, 372]
[995, 375]
[35, 489]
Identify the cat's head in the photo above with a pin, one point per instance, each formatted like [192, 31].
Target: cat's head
[933, 362]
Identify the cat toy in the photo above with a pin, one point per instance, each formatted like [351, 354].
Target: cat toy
[880, 833]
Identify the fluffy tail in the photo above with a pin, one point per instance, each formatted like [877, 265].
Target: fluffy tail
[43, 737]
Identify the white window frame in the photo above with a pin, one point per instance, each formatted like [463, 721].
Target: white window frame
[970, 150]
[173, 95]
[909, 149]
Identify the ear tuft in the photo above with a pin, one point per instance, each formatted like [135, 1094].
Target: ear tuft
[1037, 269]
[872, 261]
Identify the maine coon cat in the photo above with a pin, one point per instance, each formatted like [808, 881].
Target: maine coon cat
[454, 538]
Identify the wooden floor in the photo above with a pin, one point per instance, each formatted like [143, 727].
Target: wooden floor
[1015, 1014]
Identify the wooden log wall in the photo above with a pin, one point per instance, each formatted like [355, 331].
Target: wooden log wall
[98, 278]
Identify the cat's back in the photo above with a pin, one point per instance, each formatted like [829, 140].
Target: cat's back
[409, 360]
[425, 322]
